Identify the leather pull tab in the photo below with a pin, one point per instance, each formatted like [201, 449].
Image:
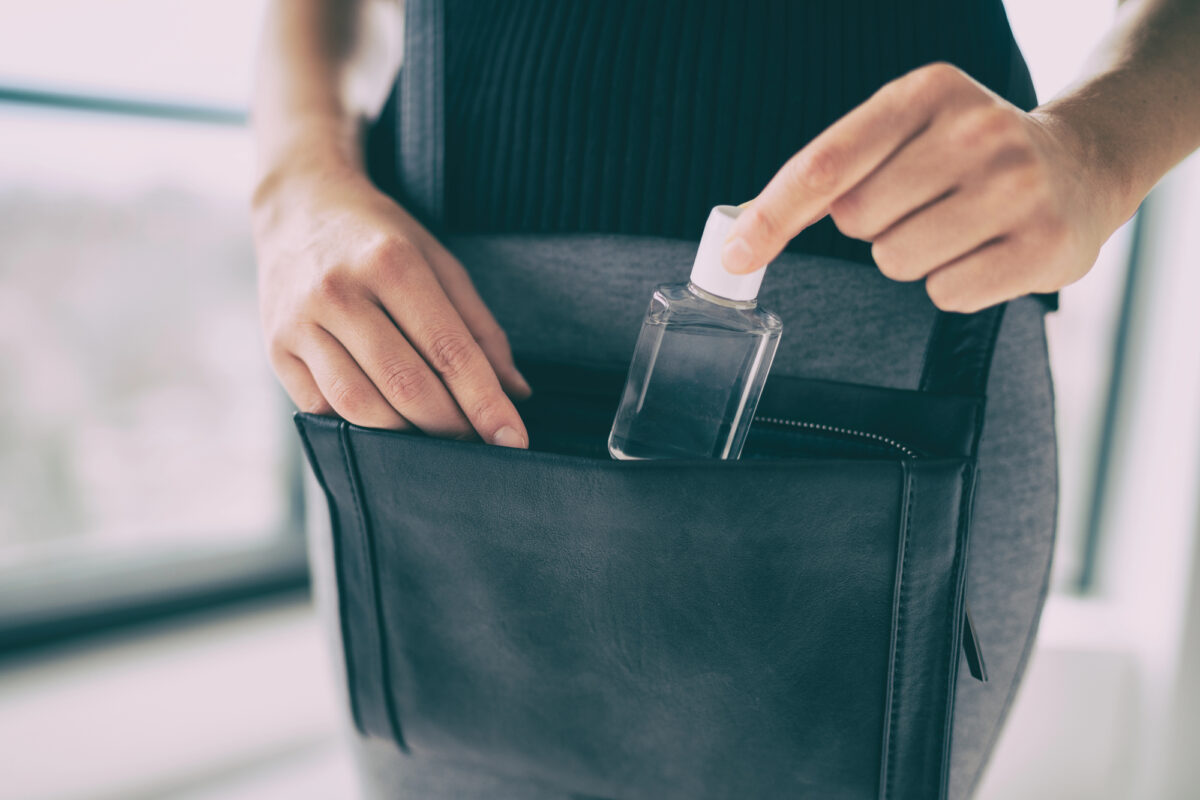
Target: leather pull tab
[971, 648]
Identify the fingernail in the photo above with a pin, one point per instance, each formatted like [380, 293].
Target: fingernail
[508, 437]
[737, 257]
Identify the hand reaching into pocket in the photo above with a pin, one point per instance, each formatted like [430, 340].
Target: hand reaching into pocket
[951, 184]
[367, 315]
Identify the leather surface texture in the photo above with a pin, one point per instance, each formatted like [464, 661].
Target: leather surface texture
[784, 625]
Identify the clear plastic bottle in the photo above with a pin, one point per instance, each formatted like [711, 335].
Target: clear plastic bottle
[700, 363]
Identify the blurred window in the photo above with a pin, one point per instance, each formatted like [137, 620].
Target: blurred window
[145, 455]
[1085, 334]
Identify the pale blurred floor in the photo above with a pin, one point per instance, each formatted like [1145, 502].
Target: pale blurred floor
[326, 773]
[244, 705]
[1068, 736]
[231, 705]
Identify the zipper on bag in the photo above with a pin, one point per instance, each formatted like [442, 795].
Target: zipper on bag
[818, 426]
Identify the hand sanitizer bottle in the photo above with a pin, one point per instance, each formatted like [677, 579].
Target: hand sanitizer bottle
[700, 363]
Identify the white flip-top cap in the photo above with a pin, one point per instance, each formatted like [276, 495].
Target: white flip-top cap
[709, 274]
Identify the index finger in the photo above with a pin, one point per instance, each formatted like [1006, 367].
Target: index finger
[418, 305]
[833, 163]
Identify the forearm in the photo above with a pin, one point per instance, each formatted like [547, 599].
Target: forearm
[319, 70]
[1136, 111]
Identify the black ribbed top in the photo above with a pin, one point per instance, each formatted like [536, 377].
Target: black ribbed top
[638, 116]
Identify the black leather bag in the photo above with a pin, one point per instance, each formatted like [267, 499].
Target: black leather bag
[786, 625]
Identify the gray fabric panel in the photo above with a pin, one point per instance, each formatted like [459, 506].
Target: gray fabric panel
[1008, 567]
[583, 297]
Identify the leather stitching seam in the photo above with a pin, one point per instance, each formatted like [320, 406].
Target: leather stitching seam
[897, 639]
[338, 563]
[373, 564]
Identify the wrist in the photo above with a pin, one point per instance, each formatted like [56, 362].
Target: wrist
[1101, 161]
[322, 149]
[1101, 157]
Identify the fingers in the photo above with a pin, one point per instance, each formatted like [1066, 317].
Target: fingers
[398, 371]
[343, 384]
[834, 162]
[299, 384]
[415, 300]
[922, 171]
[986, 276]
[981, 143]
[478, 318]
[946, 230]
[357, 320]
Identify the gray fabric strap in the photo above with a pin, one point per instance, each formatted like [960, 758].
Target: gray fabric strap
[421, 145]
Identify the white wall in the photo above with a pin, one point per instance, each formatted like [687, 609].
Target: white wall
[1108, 710]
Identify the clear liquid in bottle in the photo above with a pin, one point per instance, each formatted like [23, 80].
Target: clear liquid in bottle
[700, 362]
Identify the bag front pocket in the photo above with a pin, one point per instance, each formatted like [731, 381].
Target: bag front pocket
[653, 629]
[622, 628]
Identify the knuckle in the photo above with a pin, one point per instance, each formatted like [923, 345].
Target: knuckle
[450, 352]
[986, 126]
[278, 350]
[892, 262]
[949, 294]
[885, 259]
[815, 170]
[390, 256]
[933, 78]
[350, 398]
[404, 380]
[943, 294]
[488, 410]
[313, 404]
[333, 288]
[850, 217]
[851, 226]
[898, 91]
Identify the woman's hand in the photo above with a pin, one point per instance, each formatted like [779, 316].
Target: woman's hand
[950, 183]
[367, 315]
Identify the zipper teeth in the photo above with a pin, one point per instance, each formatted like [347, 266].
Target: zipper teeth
[844, 431]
